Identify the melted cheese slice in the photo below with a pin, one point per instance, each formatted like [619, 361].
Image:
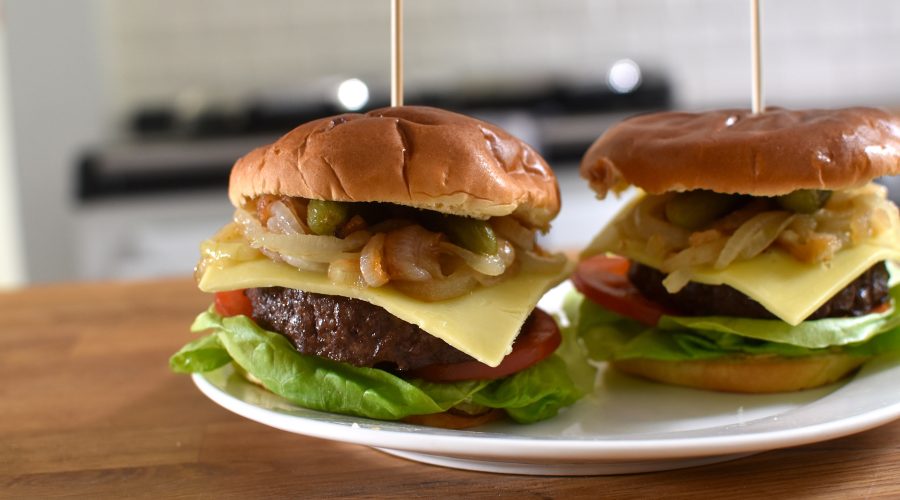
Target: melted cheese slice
[482, 323]
[789, 289]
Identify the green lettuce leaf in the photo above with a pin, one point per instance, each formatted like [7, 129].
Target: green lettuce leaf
[814, 334]
[534, 394]
[609, 336]
[201, 355]
[572, 350]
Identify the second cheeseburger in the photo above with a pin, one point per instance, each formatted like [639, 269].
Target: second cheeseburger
[385, 265]
[759, 252]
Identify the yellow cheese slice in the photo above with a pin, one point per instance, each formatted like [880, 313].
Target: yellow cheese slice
[789, 289]
[482, 323]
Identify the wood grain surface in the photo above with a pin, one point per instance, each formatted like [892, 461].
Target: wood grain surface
[88, 408]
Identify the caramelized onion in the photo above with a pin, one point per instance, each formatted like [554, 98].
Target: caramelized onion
[308, 247]
[811, 247]
[849, 217]
[537, 261]
[705, 253]
[412, 254]
[346, 271]
[371, 262]
[419, 262]
[677, 279]
[649, 219]
[753, 237]
[511, 270]
[491, 265]
[298, 262]
[510, 229]
[456, 284]
[282, 220]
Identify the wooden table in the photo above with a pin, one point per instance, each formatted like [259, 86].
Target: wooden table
[88, 407]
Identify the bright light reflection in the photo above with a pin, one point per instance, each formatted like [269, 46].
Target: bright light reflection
[624, 76]
[353, 94]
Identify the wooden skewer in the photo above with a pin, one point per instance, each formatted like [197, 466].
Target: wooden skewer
[758, 105]
[396, 52]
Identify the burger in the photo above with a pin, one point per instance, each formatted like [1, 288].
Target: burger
[385, 265]
[757, 255]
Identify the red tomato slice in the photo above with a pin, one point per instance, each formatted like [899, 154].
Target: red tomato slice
[883, 308]
[539, 338]
[605, 281]
[233, 303]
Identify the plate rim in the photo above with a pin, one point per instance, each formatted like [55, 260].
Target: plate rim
[471, 444]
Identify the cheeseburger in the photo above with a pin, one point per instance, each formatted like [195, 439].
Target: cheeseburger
[384, 265]
[757, 254]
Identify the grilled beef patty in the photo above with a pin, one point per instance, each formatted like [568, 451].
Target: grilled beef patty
[348, 330]
[865, 293]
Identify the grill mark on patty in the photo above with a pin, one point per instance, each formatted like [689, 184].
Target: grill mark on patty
[865, 293]
[348, 330]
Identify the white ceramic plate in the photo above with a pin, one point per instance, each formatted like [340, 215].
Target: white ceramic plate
[625, 426]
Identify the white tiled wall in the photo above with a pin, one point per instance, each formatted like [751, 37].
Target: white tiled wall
[825, 52]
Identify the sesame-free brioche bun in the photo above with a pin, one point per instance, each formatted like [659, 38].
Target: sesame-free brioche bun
[411, 155]
[735, 151]
[749, 374]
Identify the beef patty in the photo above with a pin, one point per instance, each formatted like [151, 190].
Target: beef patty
[348, 330]
[865, 293]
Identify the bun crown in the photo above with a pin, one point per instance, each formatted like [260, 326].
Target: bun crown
[416, 156]
[734, 151]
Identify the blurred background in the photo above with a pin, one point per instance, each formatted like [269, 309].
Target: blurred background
[120, 119]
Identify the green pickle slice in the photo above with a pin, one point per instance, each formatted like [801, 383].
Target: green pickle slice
[804, 201]
[324, 217]
[697, 209]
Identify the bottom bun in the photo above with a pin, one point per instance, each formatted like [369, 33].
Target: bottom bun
[446, 420]
[759, 374]
[449, 420]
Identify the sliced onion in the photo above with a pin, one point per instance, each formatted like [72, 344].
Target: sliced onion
[506, 251]
[884, 218]
[371, 262]
[491, 265]
[346, 271]
[657, 246]
[534, 262]
[849, 217]
[753, 237]
[510, 229]
[282, 220]
[511, 270]
[298, 262]
[309, 247]
[457, 284]
[227, 244]
[356, 223]
[803, 224]
[677, 280]
[729, 223]
[699, 255]
[648, 220]
[412, 253]
[313, 247]
[815, 247]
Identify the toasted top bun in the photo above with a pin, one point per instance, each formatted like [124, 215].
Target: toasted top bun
[734, 151]
[416, 156]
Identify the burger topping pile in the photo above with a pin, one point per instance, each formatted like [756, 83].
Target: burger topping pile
[703, 228]
[424, 254]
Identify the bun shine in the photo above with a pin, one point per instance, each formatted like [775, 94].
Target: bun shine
[416, 156]
[734, 151]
